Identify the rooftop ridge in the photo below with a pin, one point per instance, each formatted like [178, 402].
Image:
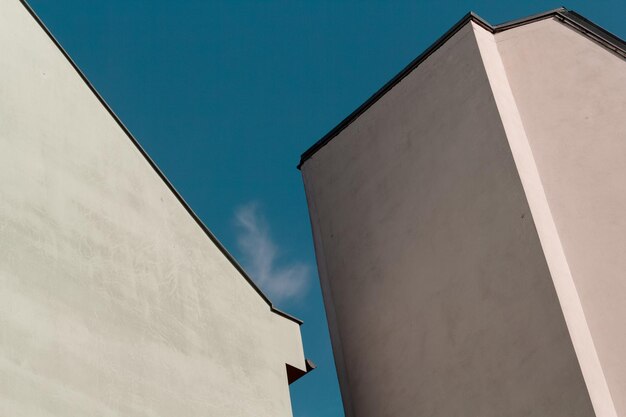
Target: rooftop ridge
[569, 17]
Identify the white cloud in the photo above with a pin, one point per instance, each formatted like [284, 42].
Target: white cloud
[260, 253]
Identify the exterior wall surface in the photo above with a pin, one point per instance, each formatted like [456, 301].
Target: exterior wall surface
[113, 301]
[437, 290]
[571, 96]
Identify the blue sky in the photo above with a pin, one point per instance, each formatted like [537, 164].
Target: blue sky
[225, 95]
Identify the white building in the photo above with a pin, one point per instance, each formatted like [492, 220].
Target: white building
[470, 227]
[115, 300]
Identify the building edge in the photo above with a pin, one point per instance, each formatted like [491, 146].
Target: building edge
[329, 305]
[569, 17]
[549, 239]
[158, 171]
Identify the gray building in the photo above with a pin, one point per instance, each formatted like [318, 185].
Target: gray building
[469, 227]
[115, 300]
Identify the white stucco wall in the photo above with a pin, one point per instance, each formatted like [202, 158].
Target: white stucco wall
[438, 293]
[571, 96]
[113, 301]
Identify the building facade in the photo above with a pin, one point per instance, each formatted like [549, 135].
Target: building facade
[469, 229]
[115, 300]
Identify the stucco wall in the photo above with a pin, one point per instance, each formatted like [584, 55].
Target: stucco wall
[571, 95]
[436, 286]
[113, 301]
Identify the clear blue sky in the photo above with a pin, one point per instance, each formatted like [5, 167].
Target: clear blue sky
[225, 95]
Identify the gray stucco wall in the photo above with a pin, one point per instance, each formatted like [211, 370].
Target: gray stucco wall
[436, 286]
[571, 96]
[113, 302]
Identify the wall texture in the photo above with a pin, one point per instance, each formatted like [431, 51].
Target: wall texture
[113, 301]
[438, 293]
[571, 96]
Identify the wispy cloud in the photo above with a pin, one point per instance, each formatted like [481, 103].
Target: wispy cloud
[260, 255]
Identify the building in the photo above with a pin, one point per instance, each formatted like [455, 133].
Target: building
[115, 300]
[469, 227]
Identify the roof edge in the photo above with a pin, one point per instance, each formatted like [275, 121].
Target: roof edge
[154, 166]
[389, 85]
[569, 17]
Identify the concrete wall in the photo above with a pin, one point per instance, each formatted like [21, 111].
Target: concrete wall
[437, 289]
[571, 96]
[113, 302]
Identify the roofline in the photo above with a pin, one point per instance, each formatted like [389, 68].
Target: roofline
[154, 166]
[571, 18]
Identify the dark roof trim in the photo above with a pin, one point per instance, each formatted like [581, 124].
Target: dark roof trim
[569, 17]
[595, 32]
[293, 373]
[157, 170]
